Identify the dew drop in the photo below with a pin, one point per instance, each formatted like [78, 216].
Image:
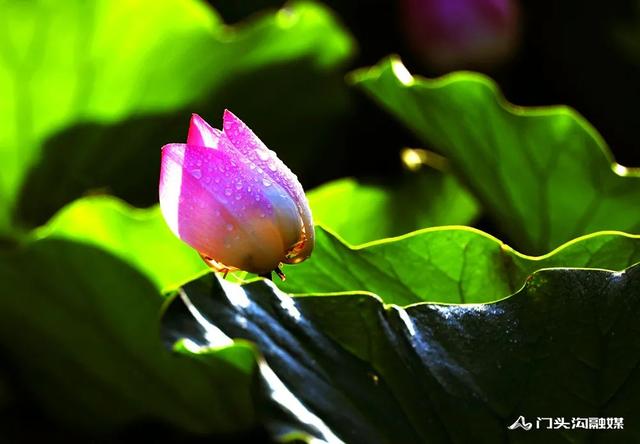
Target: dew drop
[257, 198]
[197, 174]
[238, 185]
[252, 166]
[263, 154]
[227, 192]
[238, 197]
[216, 180]
[272, 166]
[266, 183]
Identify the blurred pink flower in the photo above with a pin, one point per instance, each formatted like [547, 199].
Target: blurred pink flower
[229, 197]
[454, 34]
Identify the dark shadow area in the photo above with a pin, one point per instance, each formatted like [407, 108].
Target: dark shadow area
[573, 54]
[23, 422]
[576, 53]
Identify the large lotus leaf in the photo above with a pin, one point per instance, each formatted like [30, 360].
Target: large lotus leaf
[445, 264]
[80, 328]
[104, 68]
[361, 212]
[543, 174]
[350, 368]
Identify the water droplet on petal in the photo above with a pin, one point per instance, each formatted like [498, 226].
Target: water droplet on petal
[197, 174]
[238, 185]
[272, 166]
[227, 192]
[263, 154]
[216, 180]
[238, 197]
[252, 166]
[266, 183]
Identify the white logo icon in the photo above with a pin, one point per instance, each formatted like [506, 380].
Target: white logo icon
[520, 422]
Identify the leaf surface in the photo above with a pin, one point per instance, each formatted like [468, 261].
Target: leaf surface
[139, 237]
[81, 328]
[104, 69]
[361, 212]
[445, 264]
[347, 368]
[543, 174]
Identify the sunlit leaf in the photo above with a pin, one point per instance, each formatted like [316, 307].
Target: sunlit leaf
[361, 212]
[543, 174]
[137, 236]
[109, 65]
[449, 265]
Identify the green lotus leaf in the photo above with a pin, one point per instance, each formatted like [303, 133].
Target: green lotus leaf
[544, 175]
[348, 368]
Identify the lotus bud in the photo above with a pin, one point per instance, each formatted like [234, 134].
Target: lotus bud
[230, 198]
[454, 34]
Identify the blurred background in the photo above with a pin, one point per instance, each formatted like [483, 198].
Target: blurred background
[582, 55]
[89, 92]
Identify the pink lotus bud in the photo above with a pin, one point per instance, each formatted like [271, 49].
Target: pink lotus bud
[228, 196]
[453, 34]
